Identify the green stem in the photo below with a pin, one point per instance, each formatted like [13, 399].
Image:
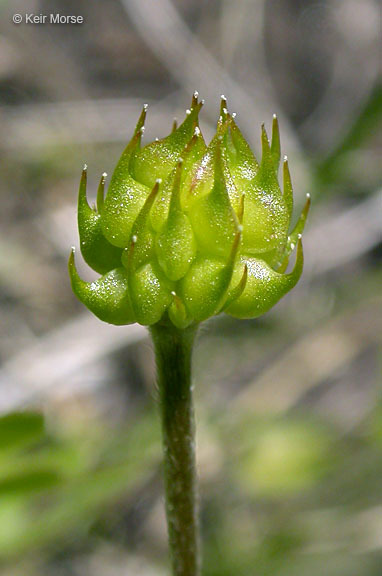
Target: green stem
[173, 350]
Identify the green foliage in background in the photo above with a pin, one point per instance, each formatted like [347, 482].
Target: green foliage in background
[62, 489]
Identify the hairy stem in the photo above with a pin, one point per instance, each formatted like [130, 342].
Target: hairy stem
[173, 350]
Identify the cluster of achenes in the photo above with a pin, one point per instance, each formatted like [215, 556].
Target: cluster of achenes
[187, 231]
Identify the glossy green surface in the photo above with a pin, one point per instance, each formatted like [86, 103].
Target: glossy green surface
[189, 230]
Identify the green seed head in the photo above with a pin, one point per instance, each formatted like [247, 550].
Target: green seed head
[187, 231]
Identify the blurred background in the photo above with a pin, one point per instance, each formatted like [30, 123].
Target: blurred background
[289, 406]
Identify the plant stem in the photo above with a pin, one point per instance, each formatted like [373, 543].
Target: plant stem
[173, 350]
